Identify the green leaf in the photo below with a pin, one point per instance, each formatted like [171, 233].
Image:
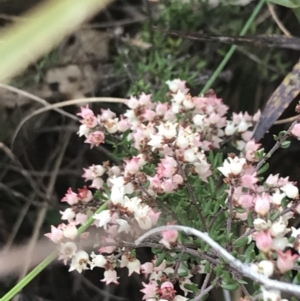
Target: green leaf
[240, 242]
[285, 144]
[160, 259]
[264, 168]
[240, 210]
[230, 287]
[191, 287]
[250, 218]
[287, 3]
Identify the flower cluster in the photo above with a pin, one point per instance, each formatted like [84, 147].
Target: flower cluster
[171, 173]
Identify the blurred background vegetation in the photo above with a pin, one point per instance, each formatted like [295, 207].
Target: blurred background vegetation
[117, 53]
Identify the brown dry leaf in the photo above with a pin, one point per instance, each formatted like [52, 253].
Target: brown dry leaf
[278, 102]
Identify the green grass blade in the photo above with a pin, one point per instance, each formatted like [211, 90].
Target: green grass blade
[39, 268]
[233, 48]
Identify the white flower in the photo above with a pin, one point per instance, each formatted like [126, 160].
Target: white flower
[117, 181]
[68, 214]
[173, 85]
[80, 262]
[243, 126]
[155, 141]
[180, 298]
[261, 225]
[83, 131]
[266, 267]
[270, 294]
[176, 108]
[103, 218]
[124, 261]
[179, 97]
[110, 276]
[70, 231]
[167, 130]
[277, 197]
[133, 266]
[232, 166]
[290, 190]
[133, 204]
[98, 170]
[124, 226]
[188, 103]
[182, 141]
[230, 128]
[117, 195]
[278, 229]
[279, 243]
[97, 183]
[198, 119]
[295, 232]
[141, 217]
[67, 250]
[190, 155]
[97, 261]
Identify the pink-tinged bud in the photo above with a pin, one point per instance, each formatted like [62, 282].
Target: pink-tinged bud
[263, 240]
[123, 125]
[262, 204]
[132, 165]
[149, 290]
[95, 138]
[147, 268]
[250, 149]
[248, 181]
[70, 197]
[296, 131]
[107, 114]
[272, 181]
[285, 261]
[167, 290]
[148, 115]
[246, 201]
[161, 108]
[85, 195]
[85, 112]
[169, 237]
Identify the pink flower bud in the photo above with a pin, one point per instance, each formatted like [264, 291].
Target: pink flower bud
[262, 204]
[296, 131]
[263, 240]
[285, 261]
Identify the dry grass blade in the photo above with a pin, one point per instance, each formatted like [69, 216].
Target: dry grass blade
[41, 30]
[65, 104]
[35, 98]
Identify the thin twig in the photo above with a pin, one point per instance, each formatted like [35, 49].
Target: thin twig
[203, 293]
[277, 21]
[275, 147]
[244, 269]
[205, 282]
[36, 98]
